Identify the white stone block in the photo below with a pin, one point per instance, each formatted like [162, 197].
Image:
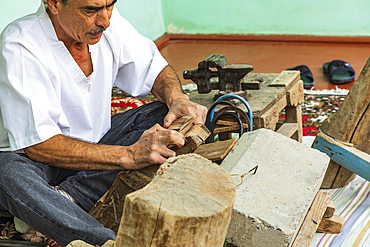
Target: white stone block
[270, 206]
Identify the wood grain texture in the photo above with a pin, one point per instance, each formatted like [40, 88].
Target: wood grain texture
[188, 203]
[330, 210]
[108, 210]
[285, 78]
[216, 150]
[351, 124]
[347, 156]
[342, 125]
[312, 220]
[288, 129]
[195, 134]
[330, 175]
[332, 225]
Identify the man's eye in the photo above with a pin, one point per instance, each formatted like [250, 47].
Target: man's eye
[90, 11]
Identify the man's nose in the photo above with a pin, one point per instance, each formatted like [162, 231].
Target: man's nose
[103, 18]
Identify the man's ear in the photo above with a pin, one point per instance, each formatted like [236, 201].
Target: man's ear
[53, 6]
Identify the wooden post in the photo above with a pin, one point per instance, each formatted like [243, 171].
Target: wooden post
[188, 203]
[350, 124]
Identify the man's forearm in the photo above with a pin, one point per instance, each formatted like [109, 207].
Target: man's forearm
[65, 152]
[69, 153]
[167, 87]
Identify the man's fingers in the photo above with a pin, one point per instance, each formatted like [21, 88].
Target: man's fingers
[168, 120]
[155, 128]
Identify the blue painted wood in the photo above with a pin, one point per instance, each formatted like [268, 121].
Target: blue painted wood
[346, 156]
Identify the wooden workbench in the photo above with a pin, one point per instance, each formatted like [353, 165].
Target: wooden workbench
[278, 92]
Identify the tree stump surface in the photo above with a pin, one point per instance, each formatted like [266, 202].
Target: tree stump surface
[188, 203]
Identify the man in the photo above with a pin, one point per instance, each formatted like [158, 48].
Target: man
[57, 69]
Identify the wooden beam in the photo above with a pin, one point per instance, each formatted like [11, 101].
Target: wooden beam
[312, 220]
[284, 78]
[217, 150]
[343, 125]
[346, 156]
[288, 129]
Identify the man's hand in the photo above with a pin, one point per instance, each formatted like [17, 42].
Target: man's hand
[151, 148]
[184, 107]
[167, 89]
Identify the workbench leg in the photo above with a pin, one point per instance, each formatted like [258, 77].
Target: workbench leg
[294, 115]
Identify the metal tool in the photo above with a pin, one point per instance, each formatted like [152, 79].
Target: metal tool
[230, 77]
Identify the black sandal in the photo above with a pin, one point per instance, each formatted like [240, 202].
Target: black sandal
[306, 76]
[339, 72]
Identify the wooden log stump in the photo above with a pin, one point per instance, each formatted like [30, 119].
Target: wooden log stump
[350, 124]
[188, 203]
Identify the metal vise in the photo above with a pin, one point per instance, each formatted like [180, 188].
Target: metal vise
[230, 77]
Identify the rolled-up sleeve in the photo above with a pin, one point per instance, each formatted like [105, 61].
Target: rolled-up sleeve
[139, 60]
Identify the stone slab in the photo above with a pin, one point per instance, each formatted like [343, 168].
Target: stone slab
[271, 204]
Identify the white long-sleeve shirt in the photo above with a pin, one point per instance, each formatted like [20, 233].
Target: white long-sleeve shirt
[43, 91]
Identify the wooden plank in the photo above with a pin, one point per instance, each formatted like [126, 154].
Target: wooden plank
[330, 210]
[346, 156]
[344, 122]
[285, 78]
[330, 174]
[312, 220]
[362, 134]
[216, 150]
[293, 114]
[332, 225]
[344, 176]
[288, 129]
[230, 128]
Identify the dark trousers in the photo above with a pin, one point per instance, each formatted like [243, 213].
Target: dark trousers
[26, 187]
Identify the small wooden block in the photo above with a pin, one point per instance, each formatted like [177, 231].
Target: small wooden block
[312, 220]
[216, 150]
[285, 78]
[288, 129]
[195, 134]
[182, 124]
[194, 137]
[330, 210]
[332, 225]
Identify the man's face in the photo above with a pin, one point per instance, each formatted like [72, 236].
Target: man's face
[83, 20]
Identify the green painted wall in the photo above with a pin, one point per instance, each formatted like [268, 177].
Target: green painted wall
[153, 18]
[144, 15]
[306, 17]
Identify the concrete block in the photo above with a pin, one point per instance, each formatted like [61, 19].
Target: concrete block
[271, 204]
